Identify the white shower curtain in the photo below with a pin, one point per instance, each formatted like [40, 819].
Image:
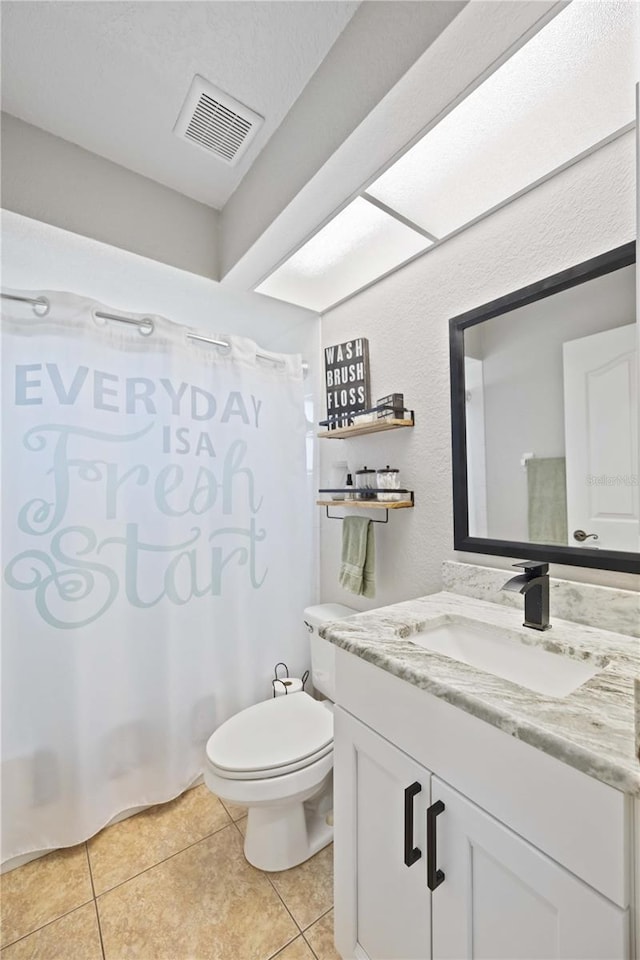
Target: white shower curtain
[156, 557]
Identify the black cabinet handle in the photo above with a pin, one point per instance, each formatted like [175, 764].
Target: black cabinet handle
[411, 853]
[434, 876]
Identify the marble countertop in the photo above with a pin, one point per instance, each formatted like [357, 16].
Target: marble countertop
[591, 729]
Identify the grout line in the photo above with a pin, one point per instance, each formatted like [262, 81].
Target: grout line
[235, 823]
[47, 924]
[266, 875]
[328, 910]
[176, 853]
[234, 819]
[277, 892]
[95, 902]
[308, 927]
[95, 907]
[281, 950]
[86, 852]
[310, 947]
[298, 927]
[306, 930]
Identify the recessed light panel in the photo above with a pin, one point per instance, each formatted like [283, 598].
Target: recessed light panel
[570, 86]
[357, 246]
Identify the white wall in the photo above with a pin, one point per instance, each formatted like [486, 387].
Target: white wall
[583, 211]
[55, 181]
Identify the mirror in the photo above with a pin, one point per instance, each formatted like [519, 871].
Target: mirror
[544, 394]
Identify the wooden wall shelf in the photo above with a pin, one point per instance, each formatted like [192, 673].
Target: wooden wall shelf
[385, 505]
[360, 429]
[367, 504]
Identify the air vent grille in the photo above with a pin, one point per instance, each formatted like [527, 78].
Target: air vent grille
[216, 122]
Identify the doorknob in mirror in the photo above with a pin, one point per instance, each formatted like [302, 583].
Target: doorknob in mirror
[581, 536]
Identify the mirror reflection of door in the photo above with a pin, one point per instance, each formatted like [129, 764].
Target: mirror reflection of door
[601, 439]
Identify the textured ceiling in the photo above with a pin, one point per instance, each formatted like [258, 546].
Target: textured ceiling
[112, 77]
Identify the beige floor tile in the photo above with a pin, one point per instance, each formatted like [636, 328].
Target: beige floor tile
[242, 826]
[44, 890]
[298, 950]
[307, 889]
[235, 811]
[206, 902]
[320, 936]
[73, 937]
[133, 845]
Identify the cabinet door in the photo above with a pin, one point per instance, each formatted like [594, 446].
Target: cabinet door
[382, 909]
[501, 899]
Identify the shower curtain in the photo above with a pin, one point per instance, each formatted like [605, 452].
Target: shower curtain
[156, 558]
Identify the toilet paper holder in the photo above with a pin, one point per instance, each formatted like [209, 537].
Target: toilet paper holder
[286, 681]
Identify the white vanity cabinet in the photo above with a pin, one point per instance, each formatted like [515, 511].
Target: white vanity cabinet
[503, 899]
[500, 895]
[380, 820]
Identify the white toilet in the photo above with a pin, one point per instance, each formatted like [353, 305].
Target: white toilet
[276, 758]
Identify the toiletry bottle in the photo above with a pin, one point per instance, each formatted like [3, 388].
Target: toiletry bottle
[349, 484]
[338, 479]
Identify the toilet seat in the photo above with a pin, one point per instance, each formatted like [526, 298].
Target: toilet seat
[271, 739]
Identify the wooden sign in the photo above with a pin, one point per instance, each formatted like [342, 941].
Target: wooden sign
[346, 374]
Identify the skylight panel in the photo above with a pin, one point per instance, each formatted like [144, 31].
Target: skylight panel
[359, 245]
[570, 86]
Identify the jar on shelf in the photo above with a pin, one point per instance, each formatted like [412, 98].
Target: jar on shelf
[365, 484]
[388, 480]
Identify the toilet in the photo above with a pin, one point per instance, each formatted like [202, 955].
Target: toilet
[276, 759]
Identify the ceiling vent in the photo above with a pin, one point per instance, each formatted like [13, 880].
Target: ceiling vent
[216, 122]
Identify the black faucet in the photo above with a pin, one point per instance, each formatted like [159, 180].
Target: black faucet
[534, 584]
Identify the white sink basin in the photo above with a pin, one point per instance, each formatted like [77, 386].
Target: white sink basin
[498, 652]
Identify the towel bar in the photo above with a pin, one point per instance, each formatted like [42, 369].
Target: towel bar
[386, 516]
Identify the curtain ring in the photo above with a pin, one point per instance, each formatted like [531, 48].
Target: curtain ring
[41, 307]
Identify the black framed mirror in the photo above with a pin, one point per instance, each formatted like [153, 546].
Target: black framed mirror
[544, 404]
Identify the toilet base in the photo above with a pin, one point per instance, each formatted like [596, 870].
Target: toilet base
[287, 815]
[280, 837]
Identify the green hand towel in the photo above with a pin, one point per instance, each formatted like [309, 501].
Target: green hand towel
[357, 569]
[547, 494]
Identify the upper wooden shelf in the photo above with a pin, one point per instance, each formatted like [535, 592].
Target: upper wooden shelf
[359, 429]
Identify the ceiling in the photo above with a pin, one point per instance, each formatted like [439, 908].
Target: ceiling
[565, 91]
[112, 77]
[368, 162]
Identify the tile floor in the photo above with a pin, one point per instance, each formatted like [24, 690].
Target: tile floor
[168, 884]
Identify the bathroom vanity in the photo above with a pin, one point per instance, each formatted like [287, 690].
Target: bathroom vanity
[476, 816]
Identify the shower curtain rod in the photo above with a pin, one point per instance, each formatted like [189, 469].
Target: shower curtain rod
[43, 302]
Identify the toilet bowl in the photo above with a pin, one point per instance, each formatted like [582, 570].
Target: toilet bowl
[272, 758]
[276, 759]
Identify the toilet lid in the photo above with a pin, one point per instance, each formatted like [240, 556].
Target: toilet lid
[272, 738]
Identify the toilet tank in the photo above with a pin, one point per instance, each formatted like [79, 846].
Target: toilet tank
[323, 653]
